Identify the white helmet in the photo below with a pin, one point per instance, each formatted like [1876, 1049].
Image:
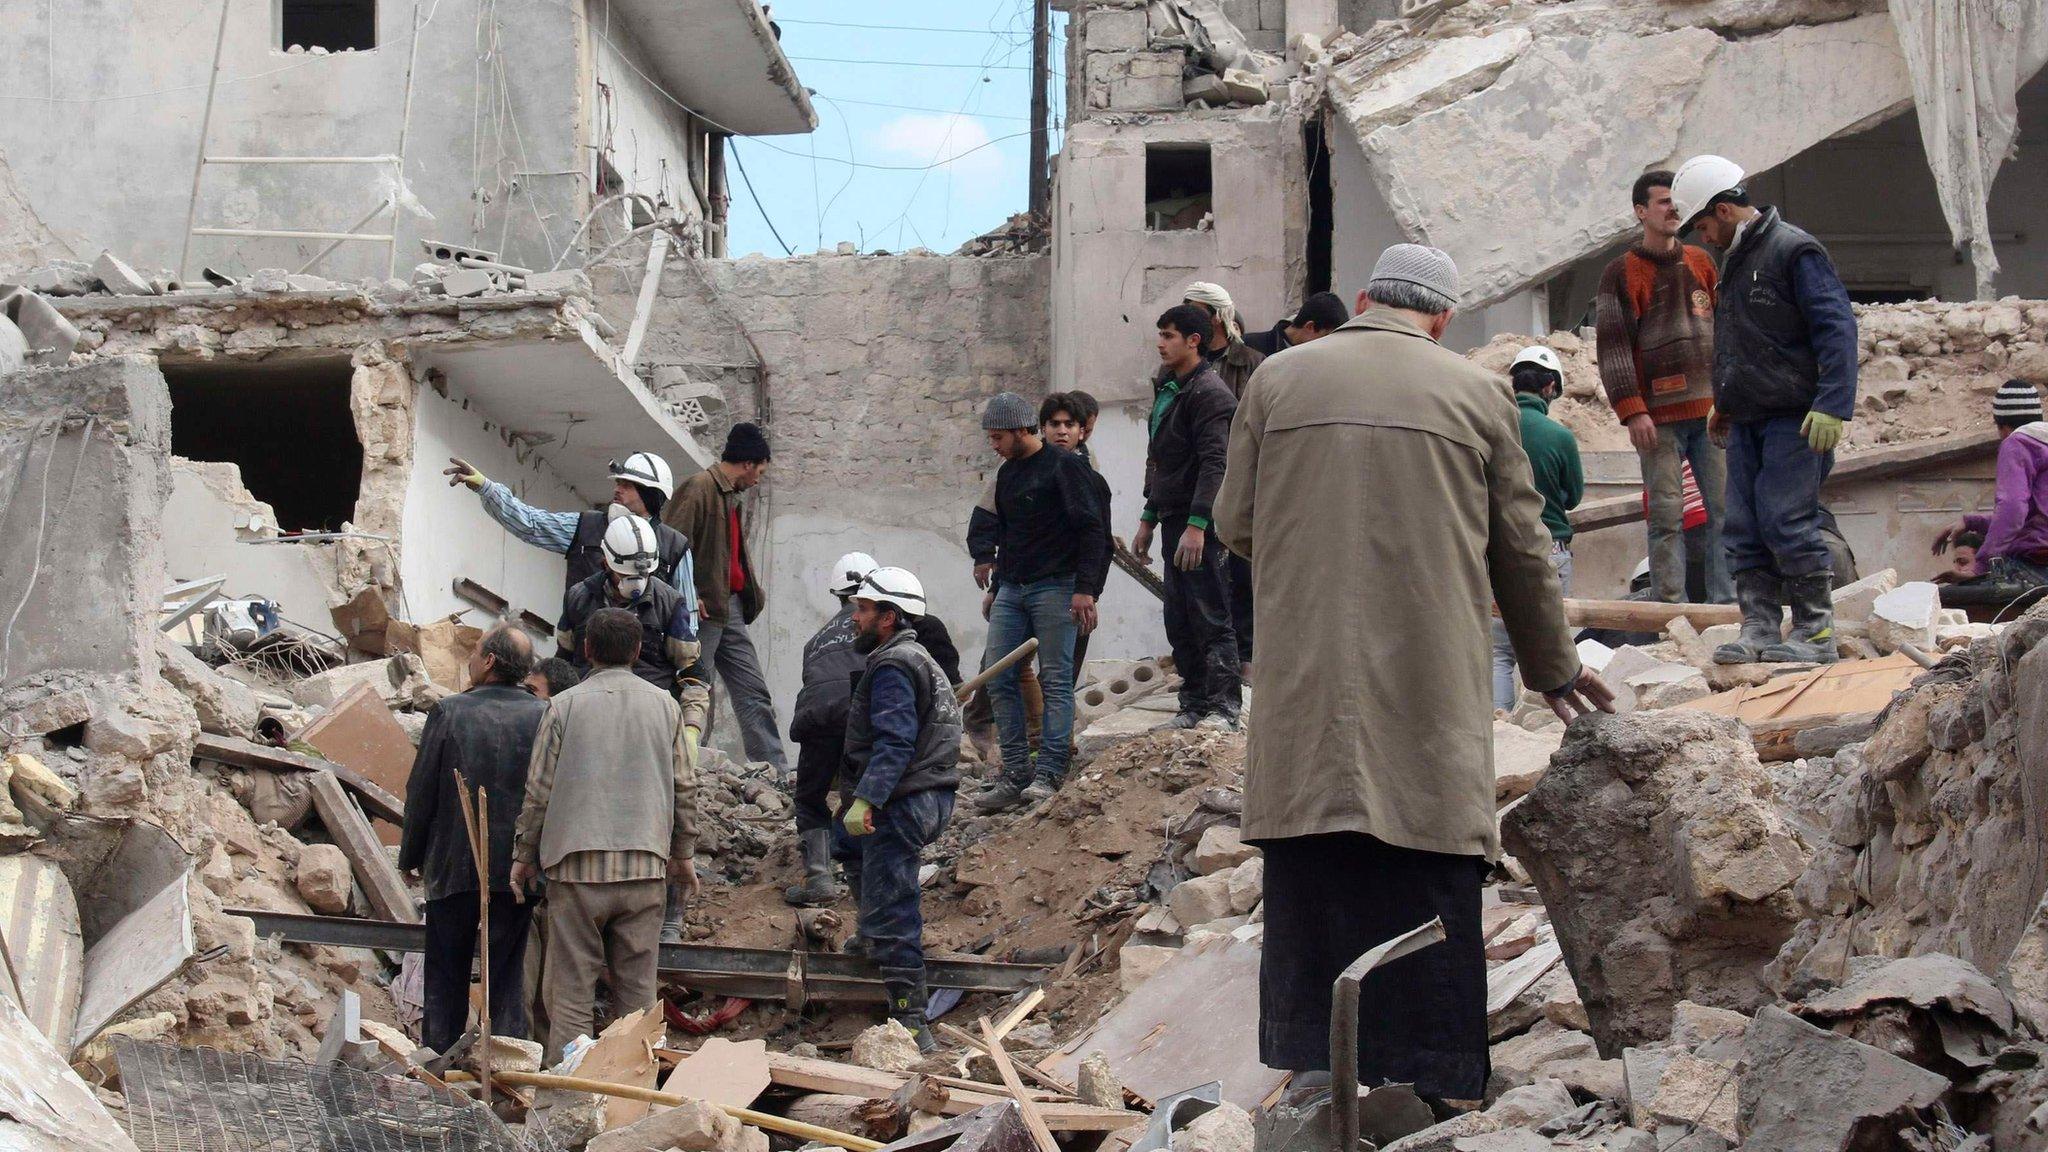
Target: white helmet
[1698, 181]
[648, 470]
[893, 586]
[1540, 356]
[847, 573]
[630, 548]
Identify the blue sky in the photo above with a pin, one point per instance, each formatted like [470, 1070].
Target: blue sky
[933, 121]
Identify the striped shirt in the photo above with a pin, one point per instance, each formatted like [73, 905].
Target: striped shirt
[608, 867]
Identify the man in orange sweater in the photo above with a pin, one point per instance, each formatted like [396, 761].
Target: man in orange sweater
[1654, 322]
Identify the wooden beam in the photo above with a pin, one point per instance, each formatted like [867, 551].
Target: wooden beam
[1868, 464]
[235, 753]
[761, 1120]
[1025, 1104]
[382, 885]
[1645, 615]
[812, 1075]
[1017, 1015]
[970, 1040]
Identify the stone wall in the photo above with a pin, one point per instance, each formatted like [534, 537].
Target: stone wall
[870, 373]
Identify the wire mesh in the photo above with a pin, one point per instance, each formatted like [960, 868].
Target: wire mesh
[206, 1100]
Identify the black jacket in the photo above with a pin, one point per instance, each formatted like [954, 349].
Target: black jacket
[1782, 347]
[486, 734]
[1046, 523]
[1186, 455]
[831, 666]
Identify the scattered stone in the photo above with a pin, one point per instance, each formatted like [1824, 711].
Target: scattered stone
[1696, 1091]
[1905, 615]
[1140, 962]
[324, 879]
[888, 1047]
[1809, 1090]
[127, 735]
[1205, 88]
[119, 278]
[1247, 885]
[1096, 1085]
[49, 713]
[511, 1054]
[1532, 1103]
[1587, 1077]
[226, 707]
[692, 1126]
[1224, 1128]
[1516, 1061]
[1696, 1026]
[1520, 758]
[1201, 899]
[1156, 921]
[1854, 601]
[1221, 848]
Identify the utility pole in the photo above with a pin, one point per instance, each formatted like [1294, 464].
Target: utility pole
[1041, 75]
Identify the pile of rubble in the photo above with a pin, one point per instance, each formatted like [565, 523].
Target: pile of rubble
[1927, 369]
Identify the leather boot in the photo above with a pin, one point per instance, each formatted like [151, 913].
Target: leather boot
[1762, 599]
[818, 886]
[1812, 598]
[907, 998]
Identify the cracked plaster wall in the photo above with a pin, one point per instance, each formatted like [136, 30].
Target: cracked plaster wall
[875, 370]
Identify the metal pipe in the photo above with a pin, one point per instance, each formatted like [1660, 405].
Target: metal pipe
[286, 234]
[372, 214]
[302, 159]
[412, 56]
[205, 121]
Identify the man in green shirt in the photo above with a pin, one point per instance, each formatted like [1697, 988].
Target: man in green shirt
[1554, 462]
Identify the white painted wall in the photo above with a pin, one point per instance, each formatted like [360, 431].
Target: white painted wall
[447, 534]
[642, 134]
[202, 541]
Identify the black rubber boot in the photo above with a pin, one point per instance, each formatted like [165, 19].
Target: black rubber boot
[1762, 599]
[1812, 641]
[907, 999]
[818, 886]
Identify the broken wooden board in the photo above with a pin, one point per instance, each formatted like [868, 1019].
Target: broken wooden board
[350, 829]
[376, 800]
[1506, 981]
[360, 732]
[1195, 1021]
[44, 1105]
[45, 944]
[812, 1075]
[1779, 709]
[142, 951]
[624, 1054]
[722, 1072]
[444, 647]
[362, 621]
[1645, 615]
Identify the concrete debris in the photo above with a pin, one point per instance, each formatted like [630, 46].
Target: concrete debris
[1096, 1084]
[1696, 1091]
[1520, 758]
[692, 1126]
[1138, 963]
[886, 1047]
[118, 278]
[1202, 899]
[324, 879]
[1804, 1089]
[1521, 1060]
[1015, 236]
[1854, 601]
[1665, 865]
[1224, 1128]
[226, 707]
[1221, 847]
[1907, 614]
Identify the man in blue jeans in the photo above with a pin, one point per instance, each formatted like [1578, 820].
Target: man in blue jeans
[1784, 384]
[903, 763]
[1045, 551]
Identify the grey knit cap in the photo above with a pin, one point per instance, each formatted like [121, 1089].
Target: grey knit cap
[1420, 265]
[2016, 400]
[1008, 410]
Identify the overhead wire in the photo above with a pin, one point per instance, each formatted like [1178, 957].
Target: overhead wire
[756, 197]
[909, 63]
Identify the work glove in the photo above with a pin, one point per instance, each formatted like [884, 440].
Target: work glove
[463, 472]
[690, 742]
[1822, 431]
[859, 818]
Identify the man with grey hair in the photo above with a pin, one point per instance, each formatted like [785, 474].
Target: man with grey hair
[484, 737]
[1044, 552]
[1378, 485]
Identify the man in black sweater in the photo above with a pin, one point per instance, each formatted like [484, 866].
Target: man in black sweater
[1185, 454]
[1067, 418]
[1045, 552]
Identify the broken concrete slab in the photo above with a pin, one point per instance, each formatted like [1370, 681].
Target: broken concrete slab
[1201, 899]
[1665, 864]
[119, 278]
[1368, 94]
[1907, 614]
[1221, 848]
[1516, 1062]
[226, 707]
[1520, 757]
[1138, 963]
[1854, 601]
[1805, 1089]
[44, 1105]
[1696, 1091]
[466, 282]
[1928, 981]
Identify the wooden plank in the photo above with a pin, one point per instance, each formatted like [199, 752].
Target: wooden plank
[1517, 976]
[1018, 1014]
[138, 955]
[351, 831]
[1869, 464]
[813, 1075]
[722, 1072]
[763, 1120]
[624, 1054]
[1039, 1075]
[1645, 615]
[360, 732]
[376, 800]
[1025, 1105]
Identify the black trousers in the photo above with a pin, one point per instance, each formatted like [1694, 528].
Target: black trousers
[1198, 626]
[1241, 605]
[1422, 1018]
[817, 766]
[451, 951]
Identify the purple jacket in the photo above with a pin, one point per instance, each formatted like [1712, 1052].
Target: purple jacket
[2018, 524]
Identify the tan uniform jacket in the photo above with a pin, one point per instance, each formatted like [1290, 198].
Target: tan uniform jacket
[1377, 483]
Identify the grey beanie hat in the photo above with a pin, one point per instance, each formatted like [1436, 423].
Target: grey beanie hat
[1008, 410]
[1420, 265]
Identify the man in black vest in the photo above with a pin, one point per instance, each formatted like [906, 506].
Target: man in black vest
[902, 757]
[1784, 384]
[669, 652]
[640, 487]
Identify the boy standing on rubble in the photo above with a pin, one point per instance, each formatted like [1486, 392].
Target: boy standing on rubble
[902, 761]
[1068, 419]
[1188, 437]
[1784, 385]
[610, 813]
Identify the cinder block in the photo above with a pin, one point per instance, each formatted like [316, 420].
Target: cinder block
[1116, 30]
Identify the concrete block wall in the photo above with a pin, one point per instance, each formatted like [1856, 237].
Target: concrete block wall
[87, 451]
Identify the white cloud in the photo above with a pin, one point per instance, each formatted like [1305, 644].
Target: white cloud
[960, 143]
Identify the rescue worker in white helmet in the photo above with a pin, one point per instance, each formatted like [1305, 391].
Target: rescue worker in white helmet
[903, 761]
[669, 652]
[641, 486]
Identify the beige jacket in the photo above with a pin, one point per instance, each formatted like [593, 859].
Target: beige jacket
[1377, 483]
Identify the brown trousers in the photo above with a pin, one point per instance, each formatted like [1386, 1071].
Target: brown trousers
[591, 928]
[980, 712]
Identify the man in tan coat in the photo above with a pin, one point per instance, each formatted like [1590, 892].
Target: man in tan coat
[1378, 485]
